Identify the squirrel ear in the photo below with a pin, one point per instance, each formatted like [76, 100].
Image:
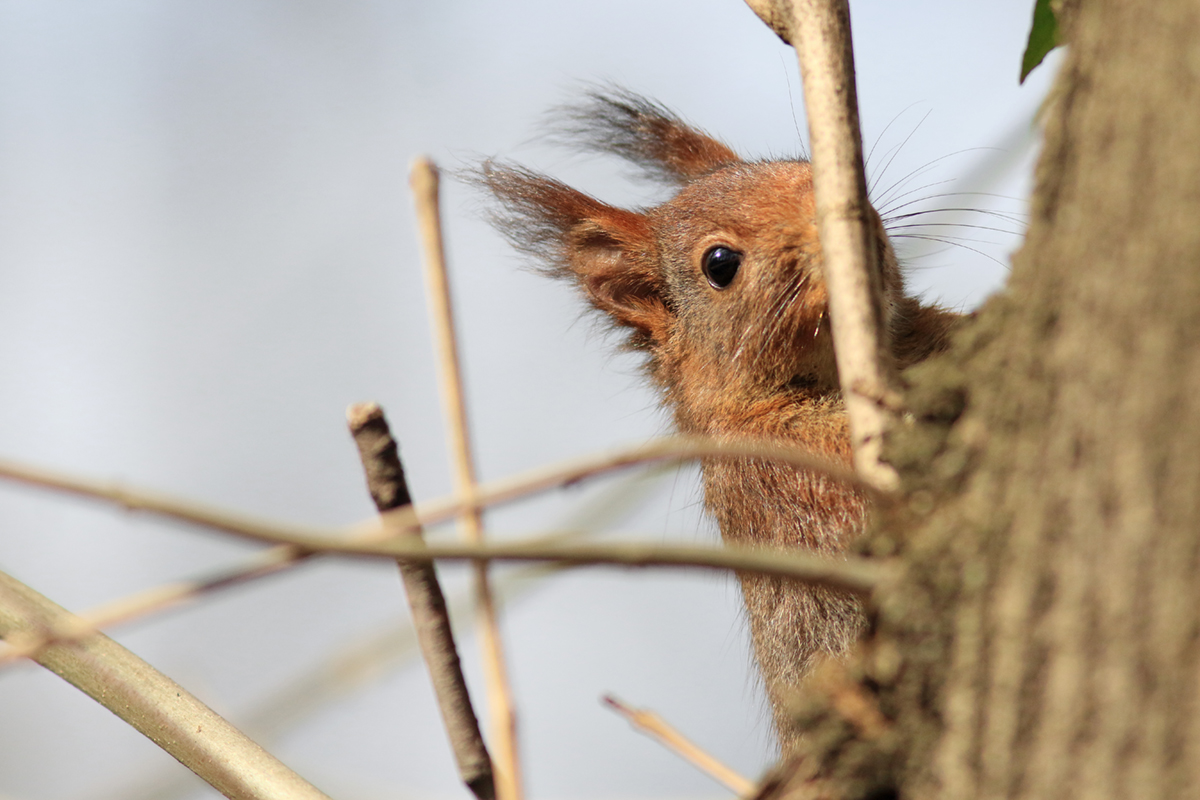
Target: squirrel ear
[609, 252]
[612, 256]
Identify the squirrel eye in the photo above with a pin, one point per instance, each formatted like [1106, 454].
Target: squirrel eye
[720, 265]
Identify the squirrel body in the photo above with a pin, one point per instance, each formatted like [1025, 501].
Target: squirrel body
[720, 287]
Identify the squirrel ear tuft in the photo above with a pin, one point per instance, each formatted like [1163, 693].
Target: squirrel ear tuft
[609, 252]
[665, 148]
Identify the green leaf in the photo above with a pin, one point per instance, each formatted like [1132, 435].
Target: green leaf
[1043, 37]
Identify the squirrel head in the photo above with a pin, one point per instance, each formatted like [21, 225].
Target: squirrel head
[721, 286]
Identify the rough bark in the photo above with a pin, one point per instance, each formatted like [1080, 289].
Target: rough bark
[1045, 641]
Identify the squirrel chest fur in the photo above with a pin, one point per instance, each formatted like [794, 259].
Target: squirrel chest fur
[721, 289]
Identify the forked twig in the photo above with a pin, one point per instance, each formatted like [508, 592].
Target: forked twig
[500, 699]
[155, 705]
[155, 600]
[671, 448]
[295, 543]
[776, 14]
[820, 32]
[658, 729]
[389, 490]
[858, 576]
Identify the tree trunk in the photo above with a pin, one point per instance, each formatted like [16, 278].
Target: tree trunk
[1045, 641]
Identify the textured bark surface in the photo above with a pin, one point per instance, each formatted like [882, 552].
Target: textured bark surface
[1072, 541]
[1047, 635]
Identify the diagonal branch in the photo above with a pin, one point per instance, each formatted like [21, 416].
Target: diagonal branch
[662, 732]
[389, 490]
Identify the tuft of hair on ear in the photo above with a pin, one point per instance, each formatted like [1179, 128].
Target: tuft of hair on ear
[535, 212]
[616, 121]
[604, 250]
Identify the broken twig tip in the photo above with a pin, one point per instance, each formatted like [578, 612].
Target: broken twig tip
[423, 174]
[389, 490]
[361, 414]
[614, 704]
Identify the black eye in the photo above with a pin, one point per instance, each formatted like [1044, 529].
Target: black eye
[720, 266]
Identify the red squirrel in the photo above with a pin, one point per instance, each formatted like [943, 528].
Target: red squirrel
[720, 288]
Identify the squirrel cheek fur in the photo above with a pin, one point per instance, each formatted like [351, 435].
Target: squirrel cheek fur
[721, 288]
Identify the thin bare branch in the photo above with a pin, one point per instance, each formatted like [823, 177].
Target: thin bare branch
[666, 449]
[370, 539]
[155, 705]
[499, 690]
[506, 490]
[157, 599]
[157, 503]
[389, 490]
[855, 575]
[269, 562]
[820, 32]
[658, 729]
[396, 522]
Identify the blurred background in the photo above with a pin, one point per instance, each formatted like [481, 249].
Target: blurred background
[207, 251]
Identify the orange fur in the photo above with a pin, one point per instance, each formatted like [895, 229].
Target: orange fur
[752, 358]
